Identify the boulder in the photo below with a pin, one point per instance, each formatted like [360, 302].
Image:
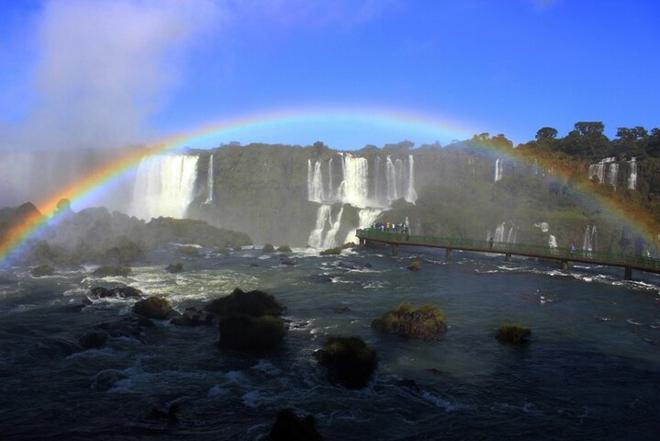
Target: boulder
[251, 334]
[348, 360]
[42, 270]
[284, 249]
[286, 261]
[513, 334]
[112, 271]
[268, 248]
[425, 322]
[415, 265]
[331, 252]
[289, 427]
[174, 268]
[93, 340]
[252, 303]
[193, 317]
[156, 308]
[119, 291]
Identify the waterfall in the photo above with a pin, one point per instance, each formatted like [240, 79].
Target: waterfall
[505, 233]
[380, 195]
[552, 241]
[499, 233]
[164, 186]
[612, 175]
[330, 195]
[355, 184]
[589, 239]
[330, 241]
[411, 194]
[632, 178]
[314, 182]
[366, 218]
[209, 182]
[498, 169]
[315, 239]
[390, 179]
[400, 179]
[599, 170]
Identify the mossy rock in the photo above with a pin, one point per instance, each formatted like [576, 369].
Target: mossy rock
[268, 248]
[289, 427]
[189, 251]
[112, 271]
[174, 268]
[252, 303]
[331, 251]
[251, 334]
[284, 249]
[426, 322]
[42, 270]
[513, 334]
[348, 360]
[156, 308]
[415, 265]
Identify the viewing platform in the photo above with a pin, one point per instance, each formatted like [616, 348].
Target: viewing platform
[562, 255]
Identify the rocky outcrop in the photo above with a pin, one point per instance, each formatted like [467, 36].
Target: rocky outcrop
[252, 303]
[425, 322]
[268, 248]
[348, 360]
[93, 340]
[415, 265]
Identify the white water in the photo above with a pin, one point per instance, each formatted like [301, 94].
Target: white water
[552, 241]
[505, 233]
[355, 186]
[315, 239]
[632, 177]
[498, 169]
[613, 173]
[544, 226]
[599, 170]
[367, 217]
[314, 182]
[330, 237]
[589, 239]
[209, 181]
[164, 186]
[411, 194]
[390, 179]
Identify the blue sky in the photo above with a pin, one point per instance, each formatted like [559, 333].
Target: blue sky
[504, 66]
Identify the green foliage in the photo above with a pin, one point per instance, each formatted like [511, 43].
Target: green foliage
[415, 265]
[426, 322]
[284, 249]
[268, 248]
[513, 334]
[156, 308]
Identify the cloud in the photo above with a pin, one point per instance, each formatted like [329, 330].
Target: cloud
[105, 66]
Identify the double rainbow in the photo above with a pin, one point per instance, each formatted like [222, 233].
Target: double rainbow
[13, 241]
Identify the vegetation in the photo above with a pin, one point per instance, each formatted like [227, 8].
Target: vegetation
[348, 360]
[284, 249]
[252, 303]
[268, 248]
[513, 334]
[415, 265]
[426, 322]
[336, 250]
[156, 308]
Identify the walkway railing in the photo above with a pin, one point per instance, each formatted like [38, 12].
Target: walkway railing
[639, 262]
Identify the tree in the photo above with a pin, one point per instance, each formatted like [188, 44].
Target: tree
[632, 134]
[589, 129]
[546, 133]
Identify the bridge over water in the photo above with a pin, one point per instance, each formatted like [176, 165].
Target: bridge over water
[562, 255]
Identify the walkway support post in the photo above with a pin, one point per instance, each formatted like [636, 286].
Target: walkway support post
[395, 249]
[448, 254]
[564, 264]
[627, 274]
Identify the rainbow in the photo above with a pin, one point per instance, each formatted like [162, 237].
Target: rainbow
[104, 176]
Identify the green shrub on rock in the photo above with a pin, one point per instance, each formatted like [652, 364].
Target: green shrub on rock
[513, 334]
[426, 322]
[251, 334]
[268, 248]
[252, 303]
[415, 265]
[156, 308]
[348, 360]
[284, 249]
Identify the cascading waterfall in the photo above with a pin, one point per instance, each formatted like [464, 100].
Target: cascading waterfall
[366, 218]
[498, 170]
[599, 169]
[390, 179]
[505, 233]
[330, 184]
[400, 179]
[632, 177]
[411, 194]
[164, 186]
[209, 182]
[314, 182]
[552, 241]
[613, 173]
[589, 239]
[330, 236]
[315, 239]
[356, 183]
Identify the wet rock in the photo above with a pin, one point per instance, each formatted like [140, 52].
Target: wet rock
[252, 303]
[156, 308]
[341, 309]
[193, 317]
[331, 252]
[289, 427]
[415, 265]
[348, 360]
[106, 379]
[425, 322]
[54, 347]
[286, 261]
[174, 268]
[513, 334]
[268, 248]
[133, 326]
[124, 292]
[284, 249]
[251, 334]
[112, 271]
[93, 340]
[42, 271]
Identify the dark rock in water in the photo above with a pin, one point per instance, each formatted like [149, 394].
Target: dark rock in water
[119, 291]
[106, 379]
[58, 346]
[286, 261]
[348, 360]
[254, 265]
[156, 308]
[268, 248]
[341, 309]
[415, 265]
[126, 327]
[425, 322]
[289, 427]
[93, 340]
[321, 278]
[189, 250]
[174, 268]
[434, 371]
[284, 249]
[409, 384]
[42, 270]
[252, 303]
[193, 317]
[112, 271]
[513, 334]
[250, 334]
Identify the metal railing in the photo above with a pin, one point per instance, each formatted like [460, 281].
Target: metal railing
[640, 262]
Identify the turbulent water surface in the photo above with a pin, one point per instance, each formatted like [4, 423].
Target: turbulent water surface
[591, 371]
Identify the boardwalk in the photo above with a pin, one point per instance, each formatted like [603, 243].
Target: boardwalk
[562, 255]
